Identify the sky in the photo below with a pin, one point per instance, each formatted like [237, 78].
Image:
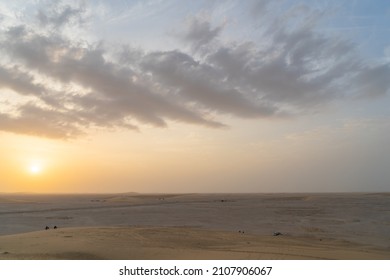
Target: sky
[194, 96]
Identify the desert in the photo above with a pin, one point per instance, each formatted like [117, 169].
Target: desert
[195, 226]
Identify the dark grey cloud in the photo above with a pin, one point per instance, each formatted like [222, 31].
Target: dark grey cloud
[33, 120]
[16, 31]
[199, 32]
[23, 83]
[77, 85]
[374, 80]
[259, 7]
[298, 69]
[59, 16]
[201, 83]
[113, 98]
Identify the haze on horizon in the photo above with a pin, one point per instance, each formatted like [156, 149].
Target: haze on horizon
[194, 96]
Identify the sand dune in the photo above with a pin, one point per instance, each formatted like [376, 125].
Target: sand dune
[195, 226]
[173, 243]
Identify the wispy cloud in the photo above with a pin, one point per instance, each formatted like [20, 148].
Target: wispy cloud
[298, 69]
[59, 16]
[199, 32]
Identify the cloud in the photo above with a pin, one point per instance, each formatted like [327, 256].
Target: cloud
[199, 32]
[201, 83]
[259, 7]
[297, 69]
[18, 81]
[374, 80]
[37, 121]
[111, 97]
[77, 85]
[58, 16]
[387, 53]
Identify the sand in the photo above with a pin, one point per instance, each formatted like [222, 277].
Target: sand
[195, 226]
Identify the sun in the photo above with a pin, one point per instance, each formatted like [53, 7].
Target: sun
[35, 168]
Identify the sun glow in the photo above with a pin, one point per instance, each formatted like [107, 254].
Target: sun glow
[35, 168]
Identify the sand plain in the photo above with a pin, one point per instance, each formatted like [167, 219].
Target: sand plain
[195, 226]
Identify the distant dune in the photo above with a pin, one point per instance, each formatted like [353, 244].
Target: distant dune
[195, 226]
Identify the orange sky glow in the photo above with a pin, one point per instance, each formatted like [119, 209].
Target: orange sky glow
[194, 96]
